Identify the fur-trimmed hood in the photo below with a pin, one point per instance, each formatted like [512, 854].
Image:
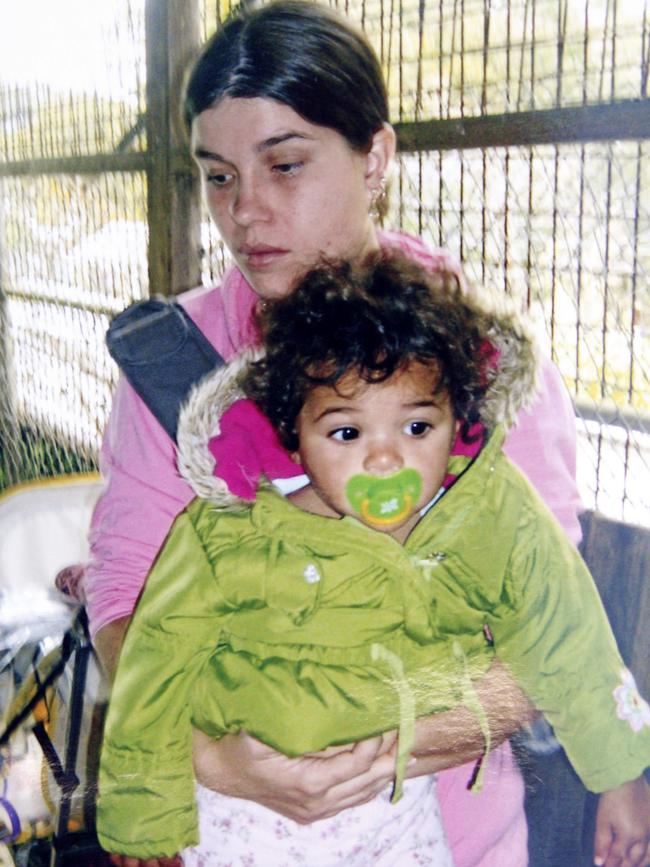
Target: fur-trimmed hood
[512, 389]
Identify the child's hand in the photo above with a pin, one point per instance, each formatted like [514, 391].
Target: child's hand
[127, 861]
[623, 826]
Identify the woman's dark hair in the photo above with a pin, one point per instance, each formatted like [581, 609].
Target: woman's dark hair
[372, 319]
[300, 54]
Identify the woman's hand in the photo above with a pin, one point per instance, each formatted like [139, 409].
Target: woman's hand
[623, 826]
[305, 789]
[127, 861]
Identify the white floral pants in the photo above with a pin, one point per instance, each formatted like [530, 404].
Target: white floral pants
[236, 833]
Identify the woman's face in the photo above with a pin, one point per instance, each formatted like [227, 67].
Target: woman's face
[284, 192]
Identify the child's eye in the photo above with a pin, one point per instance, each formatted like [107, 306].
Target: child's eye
[417, 428]
[344, 434]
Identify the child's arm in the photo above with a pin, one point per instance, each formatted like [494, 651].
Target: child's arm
[558, 643]
[623, 826]
[146, 806]
[552, 634]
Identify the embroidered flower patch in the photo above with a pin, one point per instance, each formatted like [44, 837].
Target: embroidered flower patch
[630, 706]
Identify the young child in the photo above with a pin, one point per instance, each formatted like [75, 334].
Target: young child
[377, 593]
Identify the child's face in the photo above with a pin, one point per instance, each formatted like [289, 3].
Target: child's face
[393, 436]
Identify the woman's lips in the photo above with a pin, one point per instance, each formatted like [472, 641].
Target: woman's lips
[261, 256]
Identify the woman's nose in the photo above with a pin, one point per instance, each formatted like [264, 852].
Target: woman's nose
[383, 459]
[248, 204]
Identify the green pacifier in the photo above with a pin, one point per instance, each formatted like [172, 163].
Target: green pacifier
[384, 501]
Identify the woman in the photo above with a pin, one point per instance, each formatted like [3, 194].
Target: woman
[288, 118]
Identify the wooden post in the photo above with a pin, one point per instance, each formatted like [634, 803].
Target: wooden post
[172, 29]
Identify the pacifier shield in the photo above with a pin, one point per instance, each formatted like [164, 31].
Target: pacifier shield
[384, 501]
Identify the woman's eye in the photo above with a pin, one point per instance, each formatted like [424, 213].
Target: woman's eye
[344, 434]
[287, 168]
[417, 428]
[218, 179]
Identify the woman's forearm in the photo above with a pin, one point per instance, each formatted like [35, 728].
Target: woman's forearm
[454, 737]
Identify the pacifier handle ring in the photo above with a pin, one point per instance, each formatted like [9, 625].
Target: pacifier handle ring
[385, 522]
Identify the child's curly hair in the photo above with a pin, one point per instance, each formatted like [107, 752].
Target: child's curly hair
[373, 319]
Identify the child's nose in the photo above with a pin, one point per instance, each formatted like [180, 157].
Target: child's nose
[383, 459]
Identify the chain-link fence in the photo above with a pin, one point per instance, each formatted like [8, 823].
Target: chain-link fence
[523, 128]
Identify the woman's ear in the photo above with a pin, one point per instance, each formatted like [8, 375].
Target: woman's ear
[379, 158]
[295, 457]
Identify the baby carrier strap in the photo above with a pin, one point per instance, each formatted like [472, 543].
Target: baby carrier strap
[162, 353]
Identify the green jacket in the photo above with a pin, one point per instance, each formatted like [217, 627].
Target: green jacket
[307, 631]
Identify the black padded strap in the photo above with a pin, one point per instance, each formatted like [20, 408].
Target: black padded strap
[162, 353]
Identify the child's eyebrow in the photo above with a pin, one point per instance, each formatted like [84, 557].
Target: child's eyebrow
[332, 410]
[423, 404]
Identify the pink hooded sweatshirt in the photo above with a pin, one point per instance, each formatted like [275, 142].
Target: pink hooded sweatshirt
[144, 493]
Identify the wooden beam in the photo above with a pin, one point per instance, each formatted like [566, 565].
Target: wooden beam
[611, 415]
[172, 36]
[137, 161]
[79, 165]
[626, 120]
[621, 121]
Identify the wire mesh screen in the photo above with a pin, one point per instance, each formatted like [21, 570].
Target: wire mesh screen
[72, 81]
[73, 245]
[467, 57]
[562, 227]
[78, 257]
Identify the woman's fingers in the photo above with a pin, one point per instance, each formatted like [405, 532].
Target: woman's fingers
[304, 789]
[328, 786]
[329, 771]
[351, 792]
